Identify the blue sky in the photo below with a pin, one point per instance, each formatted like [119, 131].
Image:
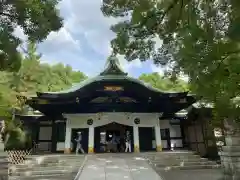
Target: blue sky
[84, 40]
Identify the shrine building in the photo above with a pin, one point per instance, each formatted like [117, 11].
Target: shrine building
[110, 103]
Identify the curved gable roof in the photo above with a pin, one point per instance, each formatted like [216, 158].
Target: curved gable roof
[86, 82]
[112, 71]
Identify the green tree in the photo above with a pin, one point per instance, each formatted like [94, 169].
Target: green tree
[26, 79]
[37, 19]
[32, 77]
[163, 83]
[199, 39]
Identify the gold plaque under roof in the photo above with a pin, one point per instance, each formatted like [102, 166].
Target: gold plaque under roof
[113, 88]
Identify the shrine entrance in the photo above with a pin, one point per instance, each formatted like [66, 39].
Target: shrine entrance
[111, 96]
[110, 137]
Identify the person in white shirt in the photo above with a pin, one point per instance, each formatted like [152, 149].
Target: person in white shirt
[79, 143]
[128, 142]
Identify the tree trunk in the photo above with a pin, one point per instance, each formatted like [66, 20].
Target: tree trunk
[230, 154]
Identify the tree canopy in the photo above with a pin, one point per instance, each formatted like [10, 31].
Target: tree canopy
[199, 38]
[164, 83]
[34, 76]
[36, 18]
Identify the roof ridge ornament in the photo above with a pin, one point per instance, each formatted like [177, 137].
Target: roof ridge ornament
[113, 67]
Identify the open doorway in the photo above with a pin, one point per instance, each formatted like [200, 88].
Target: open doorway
[104, 137]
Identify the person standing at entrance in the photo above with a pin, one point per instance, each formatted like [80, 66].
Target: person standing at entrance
[128, 142]
[115, 142]
[79, 143]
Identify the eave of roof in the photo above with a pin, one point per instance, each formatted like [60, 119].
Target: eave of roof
[86, 82]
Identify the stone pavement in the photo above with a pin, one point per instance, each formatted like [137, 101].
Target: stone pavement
[126, 166]
[201, 174]
[118, 168]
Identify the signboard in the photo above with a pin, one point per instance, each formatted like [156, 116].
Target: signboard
[113, 88]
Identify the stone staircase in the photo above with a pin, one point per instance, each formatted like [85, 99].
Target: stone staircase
[182, 160]
[66, 167]
[54, 167]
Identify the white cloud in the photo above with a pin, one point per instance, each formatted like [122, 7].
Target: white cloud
[60, 41]
[65, 37]
[84, 40]
[158, 42]
[128, 65]
[158, 69]
[85, 29]
[19, 33]
[87, 19]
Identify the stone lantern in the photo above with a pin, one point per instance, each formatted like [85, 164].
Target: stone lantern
[230, 154]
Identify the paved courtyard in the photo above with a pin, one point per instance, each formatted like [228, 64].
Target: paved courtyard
[117, 168]
[110, 166]
[107, 167]
[201, 174]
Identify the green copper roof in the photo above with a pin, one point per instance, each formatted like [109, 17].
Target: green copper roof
[102, 78]
[112, 71]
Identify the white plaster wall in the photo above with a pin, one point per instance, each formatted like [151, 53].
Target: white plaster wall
[164, 124]
[175, 131]
[61, 146]
[80, 120]
[146, 120]
[177, 142]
